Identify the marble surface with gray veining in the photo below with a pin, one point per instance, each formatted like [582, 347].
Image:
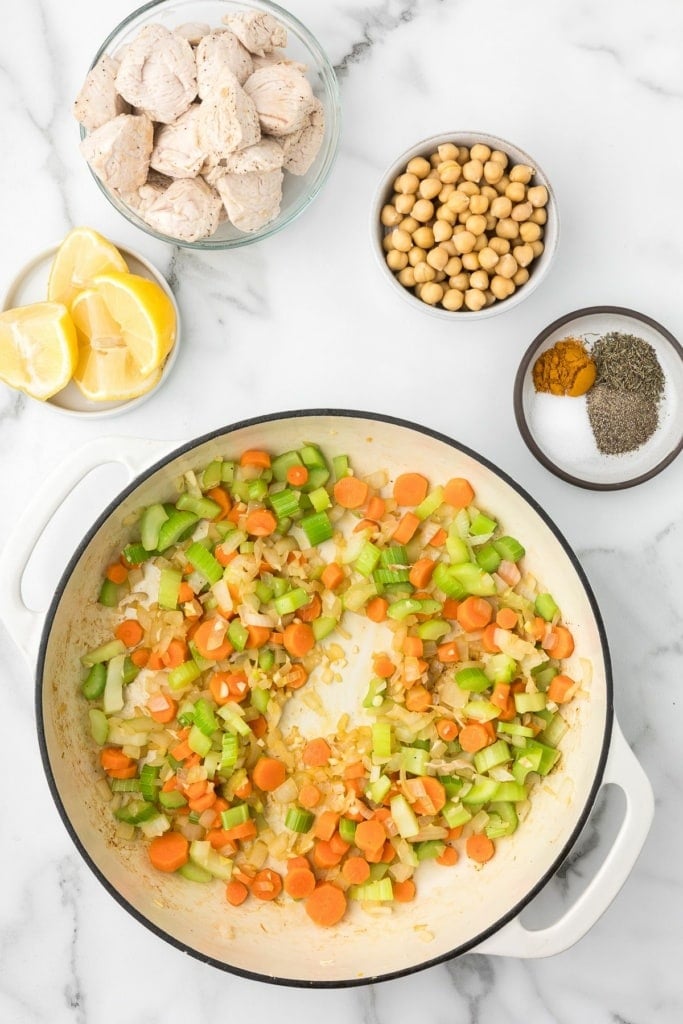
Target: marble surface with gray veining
[594, 90]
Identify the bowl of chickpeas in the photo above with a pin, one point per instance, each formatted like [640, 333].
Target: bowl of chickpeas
[464, 223]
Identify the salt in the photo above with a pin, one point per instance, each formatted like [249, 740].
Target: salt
[561, 428]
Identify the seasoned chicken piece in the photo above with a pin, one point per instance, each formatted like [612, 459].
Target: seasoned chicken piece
[251, 199]
[119, 151]
[301, 148]
[283, 98]
[177, 152]
[158, 74]
[143, 197]
[98, 100]
[258, 31]
[227, 119]
[277, 57]
[266, 155]
[188, 209]
[193, 31]
[215, 53]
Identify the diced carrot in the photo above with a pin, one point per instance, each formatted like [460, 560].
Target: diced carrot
[421, 572]
[438, 539]
[268, 773]
[309, 796]
[406, 528]
[474, 613]
[162, 707]
[488, 641]
[297, 862]
[117, 573]
[449, 857]
[418, 698]
[326, 825]
[388, 853]
[350, 492]
[175, 654]
[355, 870]
[455, 833]
[560, 643]
[479, 847]
[129, 632]
[376, 609]
[383, 666]
[370, 836]
[155, 661]
[536, 628]
[210, 639]
[257, 636]
[327, 903]
[185, 593]
[222, 498]
[299, 883]
[413, 647]
[140, 657]
[299, 638]
[355, 771]
[448, 653]
[473, 737]
[255, 457]
[236, 893]
[202, 803]
[435, 794]
[376, 508]
[559, 689]
[410, 489]
[247, 830]
[332, 576]
[324, 856]
[261, 522]
[297, 475]
[112, 758]
[506, 618]
[338, 844]
[296, 677]
[259, 726]
[169, 851]
[267, 885]
[500, 695]
[312, 610]
[447, 729]
[316, 753]
[404, 892]
[222, 556]
[244, 790]
[180, 751]
[458, 492]
[216, 836]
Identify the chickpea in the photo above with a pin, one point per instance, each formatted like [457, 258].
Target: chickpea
[445, 192]
[506, 266]
[490, 297]
[418, 289]
[389, 216]
[432, 293]
[464, 241]
[442, 231]
[447, 214]
[476, 223]
[501, 185]
[458, 201]
[488, 258]
[530, 232]
[449, 172]
[409, 224]
[479, 204]
[454, 266]
[538, 248]
[423, 210]
[501, 207]
[521, 277]
[419, 167]
[397, 260]
[470, 261]
[434, 160]
[489, 191]
[499, 245]
[520, 212]
[424, 237]
[452, 299]
[407, 184]
[499, 158]
[450, 247]
[507, 228]
[463, 154]
[416, 255]
[524, 254]
[480, 152]
[457, 228]
[440, 276]
[387, 243]
[479, 279]
[423, 272]
[447, 151]
[404, 204]
[493, 171]
[538, 196]
[464, 217]
[480, 243]
[473, 170]
[407, 277]
[539, 216]
[502, 287]
[429, 188]
[470, 188]
[521, 172]
[515, 191]
[401, 240]
[459, 281]
[437, 258]
[475, 299]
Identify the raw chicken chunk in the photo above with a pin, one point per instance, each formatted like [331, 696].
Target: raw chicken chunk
[252, 199]
[266, 155]
[193, 31]
[143, 198]
[98, 100]
[158, 74]
[188, 209]
[215, 53]
[301, 148]
[119, 151]
[177, 152]
[227, 119]
[258, 31]
[277, 57]
[283, 98]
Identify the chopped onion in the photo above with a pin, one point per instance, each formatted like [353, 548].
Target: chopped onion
[286, 793]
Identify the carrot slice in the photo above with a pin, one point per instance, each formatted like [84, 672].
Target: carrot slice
[376, 609]
[410, 489]
[355, 870]
[268, 773]
[169, 851]
[299, 638]
[559, 689]
[316, 753]
[350, 492]
[404, 892]
[299, 883]
[255, 457]
[267, 885]
[332, 576]
[406, 528]
[421, 572]
[129, 632]
[479, 847]
[473, 737]
[236, 893]
[474, 613]
[327, 903]
[458, 492]
[117, 573]
[261, 522]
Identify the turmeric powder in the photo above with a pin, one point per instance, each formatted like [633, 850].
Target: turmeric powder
[564, 369]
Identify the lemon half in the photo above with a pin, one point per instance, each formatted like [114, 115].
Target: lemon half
[38, 348]
[82, 256]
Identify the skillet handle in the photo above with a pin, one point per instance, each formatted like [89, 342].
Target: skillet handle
[24, 624]
[623, 770]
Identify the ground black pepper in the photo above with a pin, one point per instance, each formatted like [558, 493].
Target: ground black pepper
[623, 404]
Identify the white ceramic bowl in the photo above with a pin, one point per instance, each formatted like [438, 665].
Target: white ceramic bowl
[298, 191]
[537, 270]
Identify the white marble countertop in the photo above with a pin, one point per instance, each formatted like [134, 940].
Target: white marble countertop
[595, 92]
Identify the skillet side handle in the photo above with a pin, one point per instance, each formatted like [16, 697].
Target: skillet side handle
[24, 624]
[623, 770]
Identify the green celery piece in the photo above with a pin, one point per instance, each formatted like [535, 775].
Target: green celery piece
[509, 548]
[404, 817]
[257, 490]
[549, 756]
[414, 760]
[529, 702]
[374, 698]
[487, 558]
[472, 679]
[172, 800]
[93, 685]
[149, 777]
[376, 891]
[381, 740]
[457, 548]
[291, 601]
[212, 476]
[198, 742]
[312, 457]
[234, 721]
[237, 815]
[368, 559]
[151, 522]
[135, 554]
[204, 718]
[482, 525]
[455, 815]
[237, 635]
[376, 791]
[103, 653]
[130, 671]
[230, 748]
[473, 579]
[194, 873]
[281, 463]
[394, 557]
[554, 731]
[500, 668]
[527, 759]
[112, 698]
[430, 504]
[285, 503]
[323, 626]
[403, 608]
[347, 830]
[514, 729]
[202, 663]
[109, 594]
[491, 756]
[428, 606]
[319, 499]
[452, 784]
[317, 528]
[510, 792]
[481, 711]
[177, 527]
[260, 698]
[481, 792]
[444, 578]
[391, 578]
[504, 810]
[545, 607]
[205, 508]
[135, 812]
[317, 478]
[125, 786]
[263, 592]
[183, 675]
[543, 675]
[340, 466]
[280, 586]
[266, 659]
[203, 856]
[228, 472]
[169, 588]
[99, 726]
[433, 629]
[358, 595]
[239, 490]
[204, 562]
[246, 547]
[298, 820]
[430, 849]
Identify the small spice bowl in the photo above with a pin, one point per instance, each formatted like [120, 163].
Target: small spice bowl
[558, 430]
[549, 231]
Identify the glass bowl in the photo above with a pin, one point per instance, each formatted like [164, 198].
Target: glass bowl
[298, 191]
[538, 269]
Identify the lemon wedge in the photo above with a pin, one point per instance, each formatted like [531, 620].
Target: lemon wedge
[38, 348]
[82, 256]
[145, 316]
[106, 368]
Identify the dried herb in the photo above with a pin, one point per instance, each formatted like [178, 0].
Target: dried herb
[623, 404]
[627, 363]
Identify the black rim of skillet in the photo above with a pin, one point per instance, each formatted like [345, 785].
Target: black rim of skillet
[518, 403]
[521, 902]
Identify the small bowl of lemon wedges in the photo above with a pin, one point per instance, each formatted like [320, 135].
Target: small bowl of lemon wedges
[88, 328]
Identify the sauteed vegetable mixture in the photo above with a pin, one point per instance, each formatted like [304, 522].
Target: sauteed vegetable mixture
[225, 605]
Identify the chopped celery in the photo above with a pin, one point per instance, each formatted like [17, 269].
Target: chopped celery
[263, 592]
[234, 816]
[230, 747]
[130, 671]
[368, 559]
[280, 586]
[491, 756]
[260, 698]
[198, 742]
[312, 457]
[452, 784]
[504, 810]
[204, 562]
[374, 698]
[481, 710]
[194, 873]
[317, 478]
[285, 503]
[149, 781]
[543, 675]
[183, 675]
[237, 635]
[125, 786]
[481, 525]
[266, 659]
[357, 595]
[428, 606]
[319, 499]
[473, 579]
[430, 849]
[99, 726]
[433, 629]
[404, 817]
[136, 811]
[500, 668]
[151, 522]
[212, 476]
[257, 490]
[414, 760]
[282, 463]
[473, 679]
[513, 729]
[298, 820]
[178, 526]
[340, 466]
[525, 702]
[446, 581]
[377, 790]
[403, 608]
[395, 557]
[555, 731]
[546, 607]
[381, 740]
[203, 855]
[205, 508]
[233, 720]
[390, 577]
[526, 760]
[93, 685]
[509, 548]
[455, 815]
[510, 792]
[457, 549]
[430, 504]
[109, 594]
[347, 829]
[380, 890]
[169, 587]
[204, 718]
[481, 792]
[548, 755]
[202, 663]
[135, 554]
[227, 472]
[323, 626]
[112, 698]
[487, 558]
[291, 601]
[317, 528]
